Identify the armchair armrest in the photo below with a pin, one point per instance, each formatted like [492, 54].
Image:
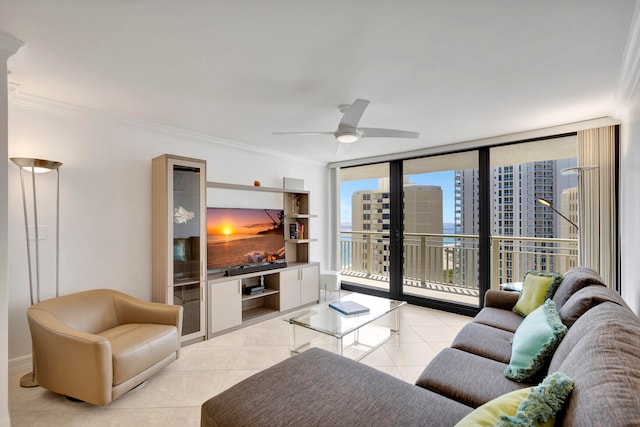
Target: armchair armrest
[133, 310]
[505, 300]
[68, 361]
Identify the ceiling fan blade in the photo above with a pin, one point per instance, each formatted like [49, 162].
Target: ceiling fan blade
[352, 116]
[303, 133]
[386, 133]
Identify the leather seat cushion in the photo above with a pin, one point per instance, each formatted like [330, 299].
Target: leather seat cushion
[135, 347]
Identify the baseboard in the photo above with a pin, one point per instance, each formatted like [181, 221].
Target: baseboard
[20, 365]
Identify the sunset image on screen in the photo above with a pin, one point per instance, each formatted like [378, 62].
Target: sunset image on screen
[244, 236]
[244, 222]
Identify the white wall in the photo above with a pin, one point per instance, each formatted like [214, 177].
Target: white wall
[105, 198]
[8, 46]
[628, 107]
[4, 409]
[630, 203]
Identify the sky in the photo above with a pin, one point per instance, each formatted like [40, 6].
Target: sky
[444, 180]
[240, 221]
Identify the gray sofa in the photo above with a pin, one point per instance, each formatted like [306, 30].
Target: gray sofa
[600, 352]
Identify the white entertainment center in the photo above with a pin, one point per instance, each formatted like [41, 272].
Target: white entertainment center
[286, 289]
[215, 303]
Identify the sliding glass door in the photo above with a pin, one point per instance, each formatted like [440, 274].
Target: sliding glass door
[440, 218]
[534, 208]
[441, 230]
[364, 226]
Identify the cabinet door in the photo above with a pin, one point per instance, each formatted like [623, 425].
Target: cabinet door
[190, 298]
[179, 239]
[225, 305]
[289, 289]
[187, 221]
[309, 284]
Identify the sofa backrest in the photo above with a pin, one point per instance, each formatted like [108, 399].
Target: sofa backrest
[584, 300]
[574, 280]
[90, 311]
[601, 353]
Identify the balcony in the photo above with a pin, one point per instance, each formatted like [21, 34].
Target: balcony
[447, 264]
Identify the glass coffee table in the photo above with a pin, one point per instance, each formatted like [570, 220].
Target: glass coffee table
[353, 336]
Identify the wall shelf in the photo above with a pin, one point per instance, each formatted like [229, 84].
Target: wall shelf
[300, 241]
[300, 216]
[227, 186]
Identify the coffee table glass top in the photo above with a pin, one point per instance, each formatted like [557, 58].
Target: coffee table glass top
[325, 319]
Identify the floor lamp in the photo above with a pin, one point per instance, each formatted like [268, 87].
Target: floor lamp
[548, 204]
[36, 166]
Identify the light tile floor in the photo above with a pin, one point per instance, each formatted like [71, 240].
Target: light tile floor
[173, 397]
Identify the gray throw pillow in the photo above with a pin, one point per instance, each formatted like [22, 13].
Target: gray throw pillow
[574, 280]
[585, 299]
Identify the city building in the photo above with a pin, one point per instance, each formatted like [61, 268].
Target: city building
[422, 215]
[515, 191]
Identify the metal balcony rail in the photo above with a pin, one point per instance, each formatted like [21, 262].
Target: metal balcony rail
[452, 259]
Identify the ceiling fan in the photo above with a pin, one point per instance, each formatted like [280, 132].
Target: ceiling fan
[348, 130]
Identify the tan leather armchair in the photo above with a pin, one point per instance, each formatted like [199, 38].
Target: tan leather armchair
[96, 345]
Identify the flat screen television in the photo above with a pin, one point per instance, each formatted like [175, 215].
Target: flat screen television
[237, 237]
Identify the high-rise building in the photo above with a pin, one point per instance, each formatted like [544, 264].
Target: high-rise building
[422, 214]
[515, 190]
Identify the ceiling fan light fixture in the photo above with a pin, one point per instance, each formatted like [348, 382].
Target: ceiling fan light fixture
[347, 137]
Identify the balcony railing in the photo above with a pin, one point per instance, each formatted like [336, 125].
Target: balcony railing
[452, 259]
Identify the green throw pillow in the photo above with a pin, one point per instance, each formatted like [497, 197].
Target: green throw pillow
[542, 403]
[534, 342]
[531, 406]
[537, 288]
[487, 414]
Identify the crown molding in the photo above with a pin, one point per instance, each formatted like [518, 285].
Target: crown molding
[484, 142]
[44, 105]
[629, 79]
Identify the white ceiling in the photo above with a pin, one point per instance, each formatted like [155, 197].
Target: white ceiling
[239, 70]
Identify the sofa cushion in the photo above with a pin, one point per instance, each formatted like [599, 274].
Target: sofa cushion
[535, 405]
[498, 318]
[500, 299]
[537, 288]
[321, 388]
[135, 347]
[600, 353]
[574, 280]
[534, 342]
[585, 299]
[485, 341]
[468, 378]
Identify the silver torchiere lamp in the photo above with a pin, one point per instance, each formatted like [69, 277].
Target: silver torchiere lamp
[36, 166]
